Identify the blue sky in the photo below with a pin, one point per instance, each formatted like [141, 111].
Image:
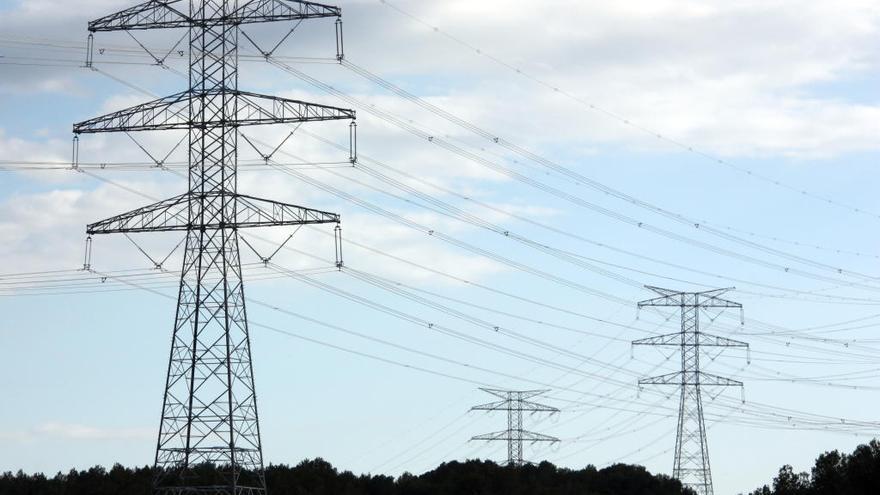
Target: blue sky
[786, 90]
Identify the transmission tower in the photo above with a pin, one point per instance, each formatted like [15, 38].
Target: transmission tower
[691, 464]
[515, 402]
[209, 434]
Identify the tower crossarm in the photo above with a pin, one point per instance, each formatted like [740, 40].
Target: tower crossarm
[173, 215]
[530, 436]
[718, 381]
[671, 339]
[166, 215]
[507, 394]
[498, 435]
[691, 378]
[705, 299]
[256, 109]
[257, 212]
[709, 340]
[173, 112]
[702, 340]
[283, 10]
[502, 405]
[515, 405]
[169, 112]
[524, 435]
[159, 14]
[527, 406]
[152, 14]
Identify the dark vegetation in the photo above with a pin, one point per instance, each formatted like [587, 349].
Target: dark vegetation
[317, 477]
[833, 474]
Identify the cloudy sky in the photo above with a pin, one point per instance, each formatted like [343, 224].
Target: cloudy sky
[683, 144]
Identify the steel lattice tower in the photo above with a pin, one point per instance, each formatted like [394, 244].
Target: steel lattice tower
[691, 464]
[209, 414]
[515, 402]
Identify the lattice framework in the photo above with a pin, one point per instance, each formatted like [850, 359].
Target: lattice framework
[209, 436]
[691, 465]
[514, 403]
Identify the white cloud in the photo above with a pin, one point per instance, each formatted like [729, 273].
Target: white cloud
[36, 150]
[735, 78]
[732, 77]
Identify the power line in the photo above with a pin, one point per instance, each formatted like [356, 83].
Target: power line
[459, 121]
[853, 303]
[581, 202]
[630, 123]
[446, 209]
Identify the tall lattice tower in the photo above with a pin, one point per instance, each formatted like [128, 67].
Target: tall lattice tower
[209, 414]
[515, 402]
[691, 464]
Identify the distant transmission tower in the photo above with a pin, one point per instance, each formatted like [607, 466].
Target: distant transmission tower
[515, 402]
[209, 435]
[691, 465]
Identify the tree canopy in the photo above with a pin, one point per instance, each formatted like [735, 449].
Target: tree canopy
[833, 474]
[318, 477]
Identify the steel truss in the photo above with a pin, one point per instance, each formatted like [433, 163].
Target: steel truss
[209, 435]
[691, 465]
[515, 402]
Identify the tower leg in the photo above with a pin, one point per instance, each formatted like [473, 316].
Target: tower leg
[691, 450]
[209, 416]
[511, 434]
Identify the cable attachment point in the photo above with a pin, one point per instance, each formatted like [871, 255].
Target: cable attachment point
[74, 157]
[340, 48]
[90, 51]
[337, 239]
[268, 259]
[268, 157]
[87, 258]
[352, 142]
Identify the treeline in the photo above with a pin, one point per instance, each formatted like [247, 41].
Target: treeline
[833, 474]
[318, 477]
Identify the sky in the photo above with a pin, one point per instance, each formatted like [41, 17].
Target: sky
[682, 144]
